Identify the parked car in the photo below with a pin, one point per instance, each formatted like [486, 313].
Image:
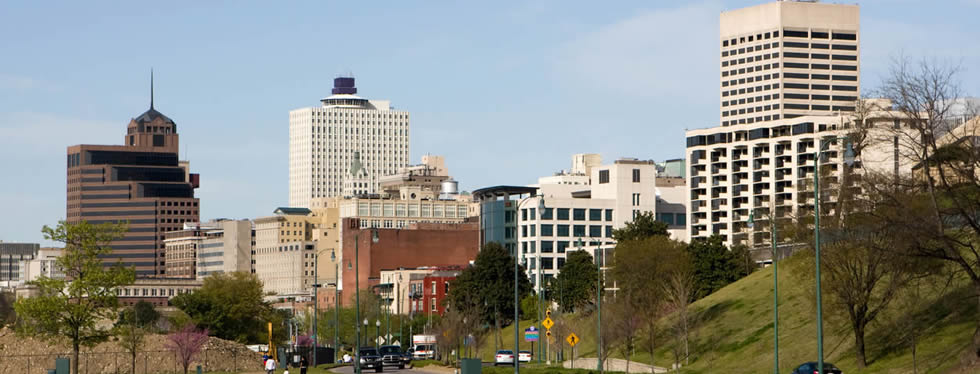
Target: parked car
[811, 368]
[392, 355]
[369, 359]
[503, 357]
[524, 356]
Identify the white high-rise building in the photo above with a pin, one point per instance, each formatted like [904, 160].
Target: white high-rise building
[788, 59]
[324, 142]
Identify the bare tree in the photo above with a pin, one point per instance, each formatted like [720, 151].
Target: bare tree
[626, 323]
[187, 344]
[132, 338]
[677, 291]
[935, 208]
[863, 274]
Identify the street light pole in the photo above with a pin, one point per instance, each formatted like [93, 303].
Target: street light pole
[357, 306]
[316, 284]
[775, 283]
[598, 286]
[336, 307]
[849, 160]
[539, 269]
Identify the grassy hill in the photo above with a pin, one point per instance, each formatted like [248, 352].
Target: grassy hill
[733, 331]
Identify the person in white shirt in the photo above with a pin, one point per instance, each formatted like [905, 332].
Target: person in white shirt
[347, 358]
[270, 365]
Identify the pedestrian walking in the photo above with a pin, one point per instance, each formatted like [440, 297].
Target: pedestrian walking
[302, 365]
[270, 365]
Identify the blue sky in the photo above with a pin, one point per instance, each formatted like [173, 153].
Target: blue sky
[506, 91]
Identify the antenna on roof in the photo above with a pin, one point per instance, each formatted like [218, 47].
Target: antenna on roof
[151, 88]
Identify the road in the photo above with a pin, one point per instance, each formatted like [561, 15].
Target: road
[425, 370]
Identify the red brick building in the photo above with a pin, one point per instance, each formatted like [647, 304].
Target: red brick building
[419, 244]
[435, 287]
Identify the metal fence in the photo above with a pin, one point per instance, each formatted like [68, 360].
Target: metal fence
[147, 362]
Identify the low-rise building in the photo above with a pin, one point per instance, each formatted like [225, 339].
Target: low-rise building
[45, 265]
[284, 252]
[419, 244]
[181, 247]
[227, 248]
[12, 255]
[156, 291]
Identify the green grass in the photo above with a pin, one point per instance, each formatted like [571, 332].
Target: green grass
[733, 332]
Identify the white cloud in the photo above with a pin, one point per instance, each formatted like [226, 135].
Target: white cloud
[657, 53]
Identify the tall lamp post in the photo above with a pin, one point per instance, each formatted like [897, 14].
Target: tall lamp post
[377, 335]
[316, 301]
[598, 297]
[357, 299]
[775, 284]
[517, 309]
[849, 160]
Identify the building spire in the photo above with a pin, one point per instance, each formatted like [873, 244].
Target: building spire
[151, 88]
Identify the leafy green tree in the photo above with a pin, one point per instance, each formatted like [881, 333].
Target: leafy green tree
[643, 226]
[488, 285]
[143, 314]
[231, 307]
[646, 272]
[714, 266]
[72, 310]
[529, 307]
[574, 286]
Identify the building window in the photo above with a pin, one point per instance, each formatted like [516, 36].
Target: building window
[546, 213]
[433, 287]
[562, 246]
[547, 263]
[636, 175]
[433, 302]
[547, 246]
[547, 230]
[609, 231]
[578, 230]
[446, 287]
[595, 231]
[636, 199]
[603, 176]
[563, 231]
[523, 214]
[578, 214]
[595, 214]
[609, 215]
[563, 214]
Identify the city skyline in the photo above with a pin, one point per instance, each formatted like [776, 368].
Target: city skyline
[589, 74]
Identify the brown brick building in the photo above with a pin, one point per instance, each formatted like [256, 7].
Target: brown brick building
[419, 244]
[141, 182]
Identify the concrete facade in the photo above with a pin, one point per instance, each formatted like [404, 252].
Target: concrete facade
[284, 250]
[788, 59]
[227, 248]
[323, 141]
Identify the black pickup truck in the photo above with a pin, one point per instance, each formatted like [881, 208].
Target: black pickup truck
[392, 355]
[370, 359]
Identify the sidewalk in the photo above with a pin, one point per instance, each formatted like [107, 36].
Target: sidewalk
[613, 364]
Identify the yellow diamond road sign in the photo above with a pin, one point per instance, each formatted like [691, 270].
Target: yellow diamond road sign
[572, 339]
[547, 323]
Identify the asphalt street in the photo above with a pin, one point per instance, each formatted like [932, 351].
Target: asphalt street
[424, 370]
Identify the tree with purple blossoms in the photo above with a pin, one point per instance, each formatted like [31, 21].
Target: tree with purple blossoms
[187, 343]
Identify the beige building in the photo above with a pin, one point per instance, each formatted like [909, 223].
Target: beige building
[181, 248]
[284, 250]
[226, 248]
[788, 59]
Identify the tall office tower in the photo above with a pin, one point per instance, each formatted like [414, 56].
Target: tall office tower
[328, 141]
[788, 59]
[141, 182]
